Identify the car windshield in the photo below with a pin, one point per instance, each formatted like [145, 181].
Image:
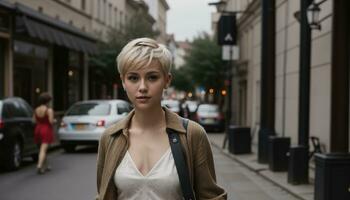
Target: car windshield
[95, 109]
[171, 103]
[208, 108]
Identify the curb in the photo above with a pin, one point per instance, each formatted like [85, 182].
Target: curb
[258, 171]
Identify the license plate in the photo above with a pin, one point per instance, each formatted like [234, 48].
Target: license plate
[80, 127]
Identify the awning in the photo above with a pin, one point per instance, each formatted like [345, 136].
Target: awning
[53, 31]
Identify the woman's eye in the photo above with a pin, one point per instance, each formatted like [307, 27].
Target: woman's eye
[153, 77]
[132, 78]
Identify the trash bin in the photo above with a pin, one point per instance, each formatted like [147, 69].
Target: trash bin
[298, 166]
[332, 176]
[239, 141]
[278, 149]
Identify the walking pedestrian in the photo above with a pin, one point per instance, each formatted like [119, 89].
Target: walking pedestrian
[136, 156]
[43, 133]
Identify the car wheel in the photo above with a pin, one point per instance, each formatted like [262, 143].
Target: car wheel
[15, 156]
[69, 148]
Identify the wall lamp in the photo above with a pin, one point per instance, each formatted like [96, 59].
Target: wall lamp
[221, 8]
[313, 14]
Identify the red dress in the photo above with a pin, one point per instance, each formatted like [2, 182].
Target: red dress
[43, 132]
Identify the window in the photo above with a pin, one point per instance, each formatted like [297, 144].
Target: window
[116, 17]
[40, 9]
[123, 108]
[14, 109]
[94, 109]
[104, 11]
[110, 14]
[83, 5]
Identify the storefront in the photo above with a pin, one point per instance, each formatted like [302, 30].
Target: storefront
[50, 55]
[30, 73]
[5, 36]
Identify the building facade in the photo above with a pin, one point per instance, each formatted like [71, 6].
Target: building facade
[56, 59]
[158, 9]
[308, 94]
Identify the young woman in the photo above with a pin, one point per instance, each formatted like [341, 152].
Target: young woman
[43, 134]
[134, 157]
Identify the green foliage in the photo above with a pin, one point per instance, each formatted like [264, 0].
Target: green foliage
[182, 80]
[204, 63]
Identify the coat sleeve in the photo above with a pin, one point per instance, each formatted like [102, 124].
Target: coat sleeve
[100, 162]
[205, 185]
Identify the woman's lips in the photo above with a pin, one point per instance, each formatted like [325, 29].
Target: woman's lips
[142, 98]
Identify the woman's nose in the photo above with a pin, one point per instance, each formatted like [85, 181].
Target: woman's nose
[142, 86]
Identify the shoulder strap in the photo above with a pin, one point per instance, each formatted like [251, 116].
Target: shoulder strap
[180, 162]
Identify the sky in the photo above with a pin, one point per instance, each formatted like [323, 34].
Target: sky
[187, 18]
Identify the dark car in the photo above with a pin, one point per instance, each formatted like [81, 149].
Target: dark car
[16, 132]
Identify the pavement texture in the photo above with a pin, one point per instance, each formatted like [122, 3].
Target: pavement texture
[245, 179]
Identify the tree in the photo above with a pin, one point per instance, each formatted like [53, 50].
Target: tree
[205, 65]
[105, 60]
[182, 80]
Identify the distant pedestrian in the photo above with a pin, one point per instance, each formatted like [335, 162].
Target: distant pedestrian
[184, 110]
[43, 134]
[136, 155]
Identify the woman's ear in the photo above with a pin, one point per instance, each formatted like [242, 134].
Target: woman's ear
[122, 78]
[168, 79]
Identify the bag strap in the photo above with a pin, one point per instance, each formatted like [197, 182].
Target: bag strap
[180, 162]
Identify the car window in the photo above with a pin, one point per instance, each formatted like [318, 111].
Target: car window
[208, 108]
[13, 109]
[94, 109]
[123, 108]
[26, 108]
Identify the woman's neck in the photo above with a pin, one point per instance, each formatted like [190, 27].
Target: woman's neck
[149, 119]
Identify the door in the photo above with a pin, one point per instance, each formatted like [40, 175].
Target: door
[23, 83]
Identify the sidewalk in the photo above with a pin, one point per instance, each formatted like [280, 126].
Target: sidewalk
[249, 162]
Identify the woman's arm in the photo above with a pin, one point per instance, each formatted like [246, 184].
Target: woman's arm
[204, 171]
[51, 115]
[100, 162]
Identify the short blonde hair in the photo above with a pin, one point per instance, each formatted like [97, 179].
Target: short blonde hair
[140, 52]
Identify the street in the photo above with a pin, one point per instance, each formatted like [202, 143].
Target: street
[73, 177]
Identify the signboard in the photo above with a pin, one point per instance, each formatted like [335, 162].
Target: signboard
[230, 52]
[227, 31]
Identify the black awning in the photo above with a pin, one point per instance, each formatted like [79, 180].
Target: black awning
[50, 30]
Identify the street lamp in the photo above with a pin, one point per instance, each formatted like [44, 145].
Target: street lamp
[313, 14]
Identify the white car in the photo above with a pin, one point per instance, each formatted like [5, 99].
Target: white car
[173, 105]
[85, 121]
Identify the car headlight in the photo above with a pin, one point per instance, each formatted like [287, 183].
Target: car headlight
[1, 136]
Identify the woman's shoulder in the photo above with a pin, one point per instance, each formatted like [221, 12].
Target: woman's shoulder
[195, 130]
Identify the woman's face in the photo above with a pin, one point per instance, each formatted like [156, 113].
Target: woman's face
[144, 87]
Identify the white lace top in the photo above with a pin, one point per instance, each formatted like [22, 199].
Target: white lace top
[160, 183]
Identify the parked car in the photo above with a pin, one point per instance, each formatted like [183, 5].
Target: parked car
[210, 117]
[173, 105]
[16, 133]
[85, 121]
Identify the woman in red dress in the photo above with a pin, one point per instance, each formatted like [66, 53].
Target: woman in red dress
[43, 134]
